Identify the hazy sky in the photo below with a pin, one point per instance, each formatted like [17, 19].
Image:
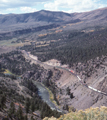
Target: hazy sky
[26, 6]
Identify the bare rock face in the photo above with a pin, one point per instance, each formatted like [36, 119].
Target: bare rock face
[94, 74]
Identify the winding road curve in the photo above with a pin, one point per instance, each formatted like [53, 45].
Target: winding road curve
[79, 79]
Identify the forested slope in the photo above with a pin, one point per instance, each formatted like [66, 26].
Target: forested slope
[73, 46]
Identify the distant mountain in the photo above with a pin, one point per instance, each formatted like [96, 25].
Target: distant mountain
[29, 20]
[12, 22]
[95, 15]
[43, 16]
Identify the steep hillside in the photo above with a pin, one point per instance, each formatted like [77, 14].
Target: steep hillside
[74, 93]
[76, 41]
[19, 97]
[92, 73]
[71, 46]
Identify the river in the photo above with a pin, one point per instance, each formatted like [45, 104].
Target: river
[44, 94]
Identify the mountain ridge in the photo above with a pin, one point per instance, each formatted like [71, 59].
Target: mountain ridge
[11, 22]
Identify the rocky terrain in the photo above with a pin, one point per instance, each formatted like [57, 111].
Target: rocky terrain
[71, 94]
[93, 73]
[16, 84]
[45, 46]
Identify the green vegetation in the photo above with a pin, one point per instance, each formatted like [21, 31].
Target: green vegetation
[73, 46]
[7, 72]
[51, 96]
[88, 114]
[15, 64]
[16, 114]
[69, 47]
[2, 100]
[29, 104]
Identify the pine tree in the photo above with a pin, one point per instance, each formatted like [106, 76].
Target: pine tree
[12, 108]
[32, 106]
[71, 95]
[20, 113]
[27, 105]
[2, 101]
[25, 117]
[32, 118]
[11, 111]
[68, 91]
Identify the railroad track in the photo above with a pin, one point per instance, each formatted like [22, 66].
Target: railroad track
[79, 79]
